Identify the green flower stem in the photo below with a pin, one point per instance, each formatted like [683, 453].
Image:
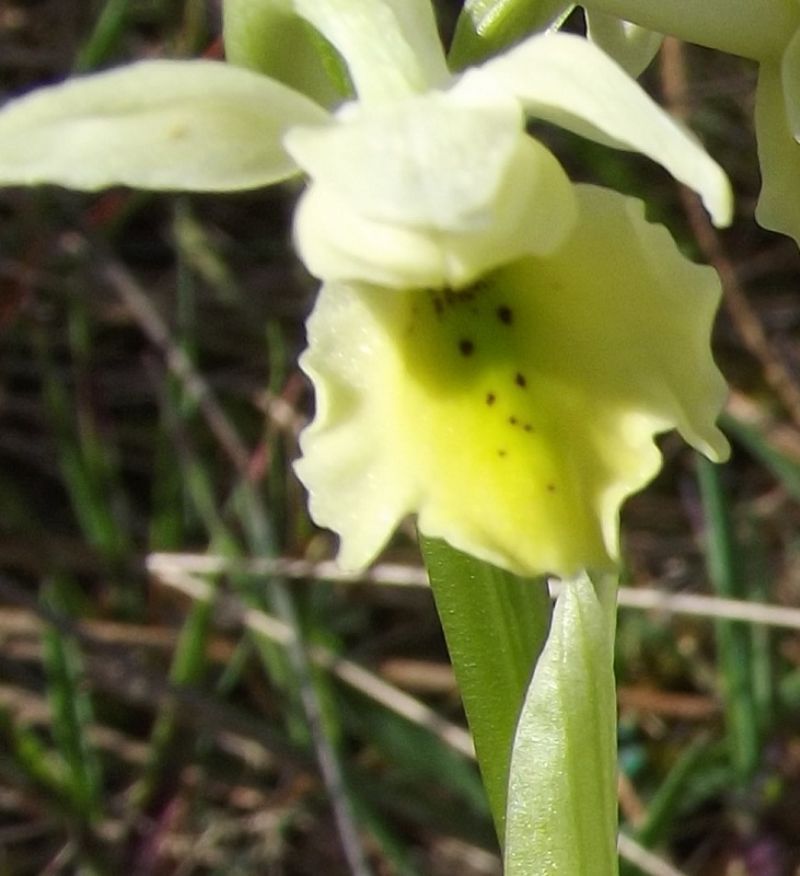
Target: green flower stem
[495, 624]
[740, 27]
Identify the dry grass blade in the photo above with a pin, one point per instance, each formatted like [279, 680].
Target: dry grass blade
[644, 859]
[650, 598]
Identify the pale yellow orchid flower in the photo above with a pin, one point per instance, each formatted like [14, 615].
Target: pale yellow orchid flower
[493, 348]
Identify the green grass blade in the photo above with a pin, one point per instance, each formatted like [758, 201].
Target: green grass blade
[495, 624]
[415, 752]
[72, 714]
[733, 638]
[783, 467]
[40, 764]
[662, 807]
[103, 40]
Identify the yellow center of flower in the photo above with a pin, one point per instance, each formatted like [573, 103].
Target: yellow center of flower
[492, 420]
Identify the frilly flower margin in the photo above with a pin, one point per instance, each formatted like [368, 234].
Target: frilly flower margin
[430, 215]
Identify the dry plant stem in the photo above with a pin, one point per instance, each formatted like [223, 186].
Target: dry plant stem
[327, 757]
[776, 373]
[653, 598]
[158, 333]
[644, 859]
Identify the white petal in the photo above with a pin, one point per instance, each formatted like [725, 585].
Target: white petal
[391, 47]
[755, 29]
[778, 205]
[567, 80]
[434, 161]
[532, 212]
[196, 125]
[270, 37]
[631, 46]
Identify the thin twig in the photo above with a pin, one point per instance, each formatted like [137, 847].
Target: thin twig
[157, 332]
[644, 859]
[650, 598]
[395, 574]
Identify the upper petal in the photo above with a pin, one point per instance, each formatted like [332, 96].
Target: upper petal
[515, 416]
[196, 125]
[391, 47]
[532, 211]
[567, 80]
[631, 46]
[432, 161]
[778, 206]
[271, 37]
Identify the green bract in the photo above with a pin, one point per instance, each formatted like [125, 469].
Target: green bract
[494, 348]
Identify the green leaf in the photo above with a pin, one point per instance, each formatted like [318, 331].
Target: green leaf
[562, 801]
[495, 624]
[193, 125]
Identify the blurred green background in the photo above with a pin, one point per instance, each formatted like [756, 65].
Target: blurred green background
[185, 687]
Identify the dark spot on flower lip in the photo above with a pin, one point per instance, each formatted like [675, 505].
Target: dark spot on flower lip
[490, 398]
[527, 427]
[551, 488]
[466, 347]
[505, 314]
[502, 453]
[520, 380]
[513, 421]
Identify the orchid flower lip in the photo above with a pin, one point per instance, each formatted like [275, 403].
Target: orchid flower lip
[535, 392]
